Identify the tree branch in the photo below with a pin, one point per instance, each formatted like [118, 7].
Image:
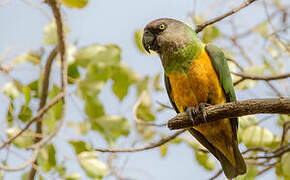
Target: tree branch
[200, 27]
[45, 86]
[233, 109]
[55, 7]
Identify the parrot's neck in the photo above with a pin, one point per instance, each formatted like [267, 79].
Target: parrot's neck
[180, 59]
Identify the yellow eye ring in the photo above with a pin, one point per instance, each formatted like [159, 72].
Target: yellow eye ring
[161, 27]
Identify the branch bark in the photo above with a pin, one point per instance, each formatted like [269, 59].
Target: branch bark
[233, 109]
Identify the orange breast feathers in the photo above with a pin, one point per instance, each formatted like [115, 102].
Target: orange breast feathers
[199, 85]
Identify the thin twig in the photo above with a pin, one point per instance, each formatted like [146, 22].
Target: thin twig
[264, 78]
[23, 166]
[150, 146]
[286, 127]
[216, 175]
[200, 27]
[276, 153]
[266, 169]
[112, 168]
[32, 120]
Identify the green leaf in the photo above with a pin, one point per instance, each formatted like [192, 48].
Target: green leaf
[81, 146]
[82, 127]
[23, 141]
[56, 110]
[144, 111]
[252, 172]
[123, 77]
[50, 33]
[93, 107]
[111, 127]
[10, 116]
[25, 113]
[156, 84]
[61, 170]
[93, 167]
[147, 132]
[25, 176]
[254, 70]
[210, 33]
[46, 158]
[73, 73]
[142, 85]
[40, 177]
[282, 119]
[285, 164]
[138, 41]
[35, 88]
[75, 3]
[202, 158]
[85, 55]
[257, 136]
[27, 94]
[279, 170]
[247, 121]
[176, 140]
[10, 90]
[72, 176]
[109, 54]
[163, 150]
[93, 84]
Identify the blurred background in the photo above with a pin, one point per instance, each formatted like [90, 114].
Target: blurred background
[113, 85]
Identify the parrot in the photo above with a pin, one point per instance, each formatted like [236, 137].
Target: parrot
[197, 75]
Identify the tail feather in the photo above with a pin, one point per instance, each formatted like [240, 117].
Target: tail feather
[229, 169]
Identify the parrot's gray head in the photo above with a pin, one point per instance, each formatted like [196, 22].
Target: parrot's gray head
[165, 34]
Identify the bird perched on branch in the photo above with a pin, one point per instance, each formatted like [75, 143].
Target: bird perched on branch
[197, 74]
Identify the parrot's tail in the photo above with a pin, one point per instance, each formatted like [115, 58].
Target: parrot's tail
[229, 169]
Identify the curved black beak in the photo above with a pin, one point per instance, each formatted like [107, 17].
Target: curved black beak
[148, 40]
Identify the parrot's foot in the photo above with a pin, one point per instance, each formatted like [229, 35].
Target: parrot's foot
[192, 112]
[201, 107]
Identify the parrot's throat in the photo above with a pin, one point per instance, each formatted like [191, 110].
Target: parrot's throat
[180, 60]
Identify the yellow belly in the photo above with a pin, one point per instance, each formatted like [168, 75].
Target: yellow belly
[201, 85]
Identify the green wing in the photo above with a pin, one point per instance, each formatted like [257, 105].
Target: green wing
[221, 67]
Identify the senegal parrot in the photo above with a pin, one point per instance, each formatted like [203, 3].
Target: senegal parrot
[196, 73]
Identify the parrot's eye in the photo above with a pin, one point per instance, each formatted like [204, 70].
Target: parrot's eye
[162, 27]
